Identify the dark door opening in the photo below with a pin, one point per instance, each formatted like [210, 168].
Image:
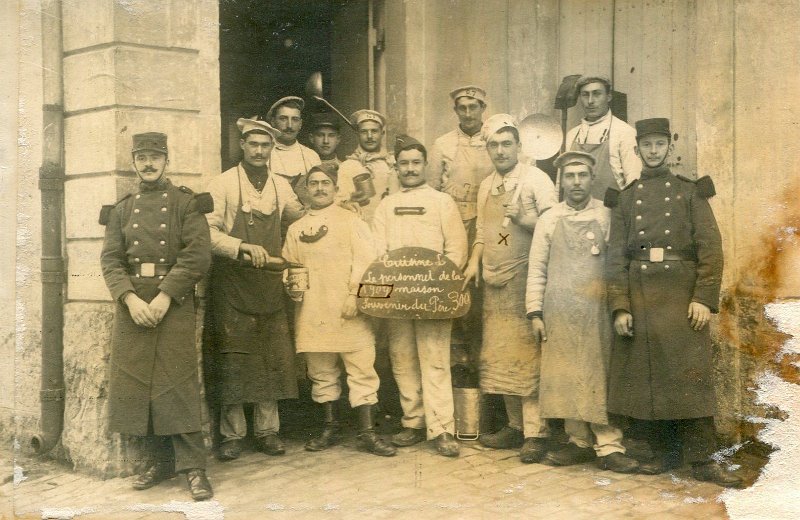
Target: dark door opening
[269, 48]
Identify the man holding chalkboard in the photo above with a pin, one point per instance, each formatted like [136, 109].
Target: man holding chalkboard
[419, 216]
[510, 202]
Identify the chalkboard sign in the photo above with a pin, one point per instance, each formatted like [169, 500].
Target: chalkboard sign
[413, 283]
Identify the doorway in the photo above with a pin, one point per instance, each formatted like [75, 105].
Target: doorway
[269, 48]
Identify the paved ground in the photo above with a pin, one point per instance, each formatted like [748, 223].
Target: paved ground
[344, 483]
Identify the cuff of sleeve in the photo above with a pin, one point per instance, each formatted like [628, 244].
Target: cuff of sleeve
[535, 314]
[119, 291]
[172, 290]
[711, 304]
[619, 303]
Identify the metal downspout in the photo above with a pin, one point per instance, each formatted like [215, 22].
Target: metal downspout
[51, 185]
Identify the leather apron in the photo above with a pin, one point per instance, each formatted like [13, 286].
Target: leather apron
[509, 357]
[257, 356]
[603, 174]
[576, 356]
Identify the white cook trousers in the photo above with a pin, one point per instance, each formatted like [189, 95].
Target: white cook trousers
[233, 424]
[325, 373]
[420, 354]
[524, 415]
[608, 438]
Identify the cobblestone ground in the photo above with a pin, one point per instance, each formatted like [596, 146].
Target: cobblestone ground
[344, 483]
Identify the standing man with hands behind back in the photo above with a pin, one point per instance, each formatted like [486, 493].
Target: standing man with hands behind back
[156, 249]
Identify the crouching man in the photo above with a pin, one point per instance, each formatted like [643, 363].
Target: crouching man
[566, 303]
[336, 246]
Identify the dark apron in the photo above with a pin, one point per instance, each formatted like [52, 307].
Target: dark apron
[603, 174]
[257, 356]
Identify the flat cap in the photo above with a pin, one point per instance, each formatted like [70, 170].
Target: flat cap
[656, 125]
[585, 80]
[152, 141]
[574, 157]
[472, 91]
[404, 142]
[322, 119]
[249, 125]
[359, 116]
[496, 122]
[282, 101]
[329, 169]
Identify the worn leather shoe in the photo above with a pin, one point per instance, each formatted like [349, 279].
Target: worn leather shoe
[569, 455]
[716, 473]
[270, 444]
[533, 450]
[371, 442]
[230, 450]
[660, 464]
[408, 437]
[447, 445]
[199, 485]
[618, 463]
[153, 475]
[507, 438]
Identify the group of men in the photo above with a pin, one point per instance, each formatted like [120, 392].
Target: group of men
[556, 288]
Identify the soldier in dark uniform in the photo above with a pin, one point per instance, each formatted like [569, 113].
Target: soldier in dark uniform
[664, 271]
[156, 249]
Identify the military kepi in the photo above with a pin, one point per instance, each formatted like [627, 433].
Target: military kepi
[331, 170]
[656, 125]
[404, 142]
[323, 119]
[574, 157]
[150, 141]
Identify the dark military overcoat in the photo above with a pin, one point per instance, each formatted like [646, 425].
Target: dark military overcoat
[665, 370]
[156, 239]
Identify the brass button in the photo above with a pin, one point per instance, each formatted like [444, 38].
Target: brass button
[669, 247]
[668, 214]
[135, 226]
[163, 225]
[138, 196]
[164, 209]
[163, 242]
[666, 266]
[136, 259]
[136, 210]
[137, 276]
[667, 184]
[164, 194]
[160, 277]
[644, 267]
[639, 202]
[136, 242]
[640, 186]
[161, 260]
[638, 217]
[641, 232]
[666, 199]
[666, 231]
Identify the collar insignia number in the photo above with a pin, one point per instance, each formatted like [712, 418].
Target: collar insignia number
[314, 237]
[409, 211]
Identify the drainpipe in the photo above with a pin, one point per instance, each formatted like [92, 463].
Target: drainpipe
[51, 185]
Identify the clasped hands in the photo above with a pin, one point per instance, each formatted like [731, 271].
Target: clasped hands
[147, 314]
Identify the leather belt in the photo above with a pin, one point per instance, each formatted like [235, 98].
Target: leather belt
[150, 270]
[659, 254]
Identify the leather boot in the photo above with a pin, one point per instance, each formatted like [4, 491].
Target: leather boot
[199, 486]
[367, 439]
[330, 430]
[155, 474]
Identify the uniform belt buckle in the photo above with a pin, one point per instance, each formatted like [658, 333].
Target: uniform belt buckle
[148, 270]
[656, 254]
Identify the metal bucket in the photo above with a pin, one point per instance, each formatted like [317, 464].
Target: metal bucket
[467, 404]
